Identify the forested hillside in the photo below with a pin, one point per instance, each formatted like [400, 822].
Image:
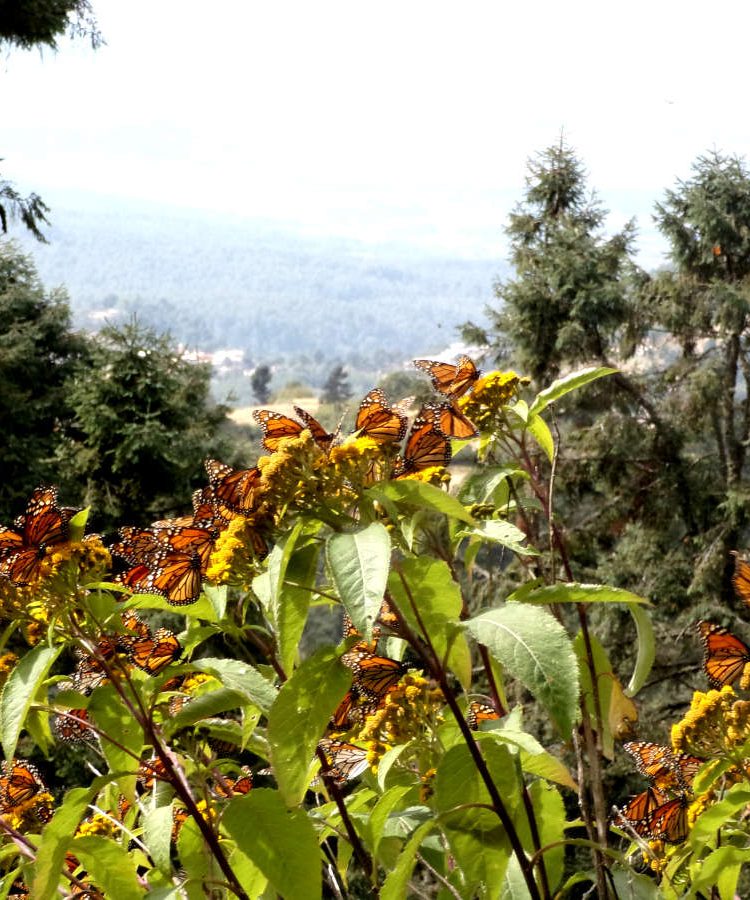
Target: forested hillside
[217, 282]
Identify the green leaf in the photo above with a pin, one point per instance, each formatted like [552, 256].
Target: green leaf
[550, 816]
[359, 564]
[417, 493]
[718, 814]
[280, 841]
[438, 599]
[489, 485]
[109, 867]
[565, 385]
[579, 593]
[396, 884]
[57, 836]
[720, 868]
[240, 677]
[646, 649]
[20, 690]
[299, 717]
[534, 648]
[157, 836]
[381, 811]
[499, 531]
[539, 430]
[291, 601]
[535, 760]
[476, 838]
[112, 716]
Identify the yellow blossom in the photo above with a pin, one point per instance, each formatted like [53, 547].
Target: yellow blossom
[96, 825]
[714, 725]
[235, 555]
[491, 392]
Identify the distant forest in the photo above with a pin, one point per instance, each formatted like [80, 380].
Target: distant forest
[298, 303]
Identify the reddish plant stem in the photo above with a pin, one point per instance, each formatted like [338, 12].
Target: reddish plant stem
[427, 651]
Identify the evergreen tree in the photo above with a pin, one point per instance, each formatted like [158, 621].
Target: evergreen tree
[336, 388]
[570, 296]
[31, 23]
[38, 351]
[143, 425]
[30, 210]
[260, 382]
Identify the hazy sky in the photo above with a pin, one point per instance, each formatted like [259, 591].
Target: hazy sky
[407, 121]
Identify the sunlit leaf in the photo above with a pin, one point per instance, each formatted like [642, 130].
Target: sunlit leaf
[565, 385]
[359, 563]
[20, 691]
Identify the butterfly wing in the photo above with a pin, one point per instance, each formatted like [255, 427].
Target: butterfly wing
[451, 422]
[638, 811]
[276, 428]
[152, 654]
[234, 488]
[668, 822]
[425, 446]
[480, 712]
[19, 783]
[345, 761]
[453, 381]
[378, 420]
[374, 675]
[724, 655]
[741, 579]
[321, 437]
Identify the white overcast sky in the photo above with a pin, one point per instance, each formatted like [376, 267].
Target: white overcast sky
[408, 121]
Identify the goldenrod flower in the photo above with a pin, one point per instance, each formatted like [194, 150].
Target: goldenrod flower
[491, 392]
[404, 711]
[95, 825]
[712, 726]
[234, 558]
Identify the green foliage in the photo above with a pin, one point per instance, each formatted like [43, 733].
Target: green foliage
[336, 388]
[570, 296]
[142, 423]
[38, 352]
[30, 210]
[30, 23]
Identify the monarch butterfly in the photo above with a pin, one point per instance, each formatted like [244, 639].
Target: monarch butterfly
[19, 782]
[741, 579]
[277, 427]
[345, 761]
[451, 422]
[179, 817]
[231, 787]
[668, 822]
[234, 488]
[175, 576]
[209, 511]
[72, 726]
[425, 446]
[637, 812]
[453, 381]
[352, 708]
[149, 771]
[132, 622]
[665, 768]
[724, 655]
[374, 676]
[377, 419]
[42, 525]
[154, 653]
[480, 712]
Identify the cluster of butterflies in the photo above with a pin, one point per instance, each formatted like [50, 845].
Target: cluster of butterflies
[654, 813]
[150, 651]
[428, 441]
[20, 782]
[660, 812]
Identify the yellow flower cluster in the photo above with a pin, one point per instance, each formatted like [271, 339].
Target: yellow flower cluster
[413, 703]
[29, 815]
[97, 825]
[715, 725]
[232, 560]
[491, 392]
[7, 664]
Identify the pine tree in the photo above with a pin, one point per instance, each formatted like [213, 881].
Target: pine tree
[38, 352]
[336, 388]
[260, 382]
[570, 296]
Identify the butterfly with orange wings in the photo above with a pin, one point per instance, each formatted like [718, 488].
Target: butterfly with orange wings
[19, 782]
[277, 427]
[453, 381]
[345, 761]
[235, 489]
[153, 653]
[664, 768]
[480, 712]
[741, 579]
[724, 655]
[43, 525]
[178, 577]
[72, 726]
[377, 419]
[374, 675]
[225, 786]
[451, 422]
[425, 446]
[637, 811]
